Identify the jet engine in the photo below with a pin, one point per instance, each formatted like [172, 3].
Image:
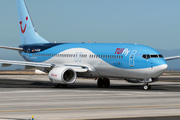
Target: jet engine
[62, 75]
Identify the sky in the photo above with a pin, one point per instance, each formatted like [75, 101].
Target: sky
[155, 23]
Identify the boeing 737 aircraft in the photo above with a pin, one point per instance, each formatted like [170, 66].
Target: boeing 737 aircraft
[64, 62]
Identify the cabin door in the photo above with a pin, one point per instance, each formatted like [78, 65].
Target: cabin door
[132, 57]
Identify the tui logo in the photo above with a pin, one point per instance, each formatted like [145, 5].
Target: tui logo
[23, 30]
[119, 51]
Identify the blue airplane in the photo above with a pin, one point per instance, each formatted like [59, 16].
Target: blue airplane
[64, 62]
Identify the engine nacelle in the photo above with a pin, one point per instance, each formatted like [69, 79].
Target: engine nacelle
[62, 75]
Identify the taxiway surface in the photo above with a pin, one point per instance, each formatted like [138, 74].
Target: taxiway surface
[22, 96]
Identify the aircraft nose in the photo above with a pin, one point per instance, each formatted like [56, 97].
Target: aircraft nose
[158, 70]
[161, 65]
[164, 67]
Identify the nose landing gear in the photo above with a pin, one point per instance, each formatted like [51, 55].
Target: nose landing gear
[147, 86]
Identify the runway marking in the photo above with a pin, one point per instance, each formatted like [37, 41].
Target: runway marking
[90, 108]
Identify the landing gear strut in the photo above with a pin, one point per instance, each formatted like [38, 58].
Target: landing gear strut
[103, 82]
[60, 85]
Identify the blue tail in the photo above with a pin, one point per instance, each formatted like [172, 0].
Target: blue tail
[28, 34]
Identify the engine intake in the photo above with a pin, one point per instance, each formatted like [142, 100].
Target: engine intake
[62, 75]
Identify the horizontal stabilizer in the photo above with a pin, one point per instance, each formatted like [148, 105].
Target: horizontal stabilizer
[12, 48]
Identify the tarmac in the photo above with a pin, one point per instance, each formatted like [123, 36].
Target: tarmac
[24, 96]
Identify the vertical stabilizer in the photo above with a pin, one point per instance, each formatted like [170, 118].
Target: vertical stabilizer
[28, 34]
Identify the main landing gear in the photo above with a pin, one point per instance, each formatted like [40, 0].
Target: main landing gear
[103, 82]
[60, 85]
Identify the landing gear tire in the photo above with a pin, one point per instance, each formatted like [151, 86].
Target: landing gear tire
[106, 83]
[147, 87]
[100, 83]
[103, 82]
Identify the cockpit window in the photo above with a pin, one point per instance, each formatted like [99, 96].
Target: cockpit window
[154, 56]
[161, 56]
[147, 56]
[144, 56]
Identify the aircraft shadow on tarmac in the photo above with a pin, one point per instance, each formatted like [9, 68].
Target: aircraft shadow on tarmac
[14, 83]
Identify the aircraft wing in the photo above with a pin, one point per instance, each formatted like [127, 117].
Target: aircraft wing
[172, 58]
[77, 68]
[35, 64]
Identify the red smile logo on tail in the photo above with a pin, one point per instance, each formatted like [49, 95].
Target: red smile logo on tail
[23, 30]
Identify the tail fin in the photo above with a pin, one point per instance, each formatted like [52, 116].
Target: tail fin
[28, 34]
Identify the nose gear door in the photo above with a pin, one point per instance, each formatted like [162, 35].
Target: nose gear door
[132, 57]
